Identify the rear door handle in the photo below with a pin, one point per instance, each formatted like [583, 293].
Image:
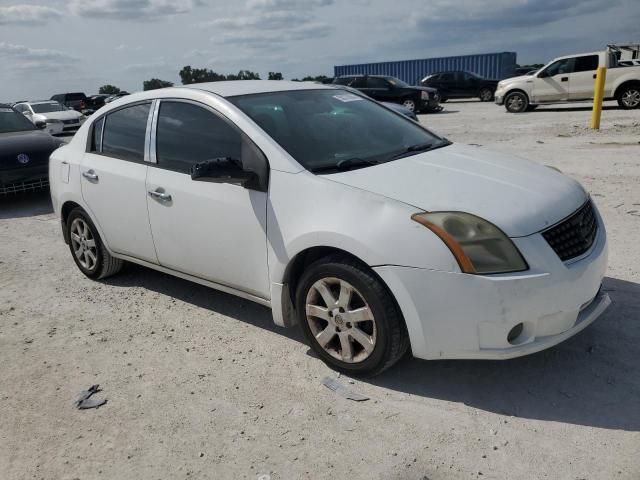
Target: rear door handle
[159, 194]
[90, 175]
[595, 75]
[564, 79]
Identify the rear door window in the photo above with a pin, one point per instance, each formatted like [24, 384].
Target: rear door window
[447, 77]
[587, 63]
[125, 131]
[377, 83]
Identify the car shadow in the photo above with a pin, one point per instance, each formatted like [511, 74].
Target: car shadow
[584, 108]
[25, 204]
[202, 297]
[592, 379]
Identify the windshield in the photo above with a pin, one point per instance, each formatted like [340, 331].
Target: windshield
[396, 82]
[324, 129]
[12, 121]
[47, 107]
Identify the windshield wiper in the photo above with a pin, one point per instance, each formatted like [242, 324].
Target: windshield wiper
[419, 147]
[345, 164]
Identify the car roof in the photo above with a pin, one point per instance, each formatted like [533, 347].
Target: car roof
[247, 87]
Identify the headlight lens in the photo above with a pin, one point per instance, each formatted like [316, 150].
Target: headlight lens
[479, 246]
[424, 95]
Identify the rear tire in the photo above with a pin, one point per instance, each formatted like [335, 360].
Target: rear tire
[349, 318]
[486, 95]
[629, 96]
[516, 102]
[87, 249]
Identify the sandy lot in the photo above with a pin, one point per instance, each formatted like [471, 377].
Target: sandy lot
[202, 385]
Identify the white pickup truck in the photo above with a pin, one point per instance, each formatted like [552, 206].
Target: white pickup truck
[571, 79]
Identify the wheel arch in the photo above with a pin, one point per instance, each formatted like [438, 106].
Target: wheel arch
[65, 210]
[624, 84]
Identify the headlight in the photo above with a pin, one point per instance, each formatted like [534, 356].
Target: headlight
[52, 120]
[424, 95]
[478, 246]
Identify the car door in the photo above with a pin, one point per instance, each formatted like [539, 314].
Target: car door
[113, 180]
[214, 231]
[582, 79]
[468, 86]
[447, 84]
[380, 89]
[553, 82]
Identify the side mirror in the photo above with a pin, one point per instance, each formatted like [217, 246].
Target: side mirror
[40, 124]
[223, 170]
[543, 74]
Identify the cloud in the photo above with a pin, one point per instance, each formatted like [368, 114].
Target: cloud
[23, 58]
[268, 22]
[27, 15]
[131, 9]
[486, 14]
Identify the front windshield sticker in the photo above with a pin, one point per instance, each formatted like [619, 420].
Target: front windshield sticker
[347, 97]
[6, 110]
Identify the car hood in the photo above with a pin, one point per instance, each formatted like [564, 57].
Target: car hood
[518, 196]
[35, 144]
[64, 115]
[517, 79]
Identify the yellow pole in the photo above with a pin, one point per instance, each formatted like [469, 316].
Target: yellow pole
[597, 98]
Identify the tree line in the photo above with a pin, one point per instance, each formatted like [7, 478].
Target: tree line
[189, 75]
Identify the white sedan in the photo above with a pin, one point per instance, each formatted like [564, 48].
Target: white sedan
[372, 233]
[51, 116]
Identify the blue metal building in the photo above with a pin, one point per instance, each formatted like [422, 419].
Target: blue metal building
[489, 65]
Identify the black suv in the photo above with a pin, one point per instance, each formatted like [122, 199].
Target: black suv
[461, 85]
[394, 90]
[77, 101]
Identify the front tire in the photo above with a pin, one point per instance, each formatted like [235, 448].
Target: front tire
[629, 96]
[486, 95]
[349, 318]
[516, 102]
[409, 104]
[87, 249]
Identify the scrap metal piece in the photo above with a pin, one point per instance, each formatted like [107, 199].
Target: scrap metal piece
[340, 389]
[84, 401]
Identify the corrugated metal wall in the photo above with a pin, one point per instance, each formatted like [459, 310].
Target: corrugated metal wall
[489, 65]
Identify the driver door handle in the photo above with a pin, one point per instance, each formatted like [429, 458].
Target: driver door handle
[90, 175]
[564, 79]
[160, 195]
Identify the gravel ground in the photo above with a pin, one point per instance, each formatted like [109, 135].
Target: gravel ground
[202, 385]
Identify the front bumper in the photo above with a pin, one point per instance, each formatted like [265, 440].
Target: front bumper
[24, 179]
[460, 316]
[498, 98]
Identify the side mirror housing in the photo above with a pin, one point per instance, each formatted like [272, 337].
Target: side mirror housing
[543, 74]
[40, 124]
[223, 170]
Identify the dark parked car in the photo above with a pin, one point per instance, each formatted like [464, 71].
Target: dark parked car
[116, 96]
[461, 85]
[24, 153]
[94, 102]
[77, 101]
[393, 90]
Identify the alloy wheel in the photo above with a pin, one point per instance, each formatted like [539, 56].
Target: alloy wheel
[341, 320]
[515, 103]
[84, 244]
[631, 98]
[410, 104]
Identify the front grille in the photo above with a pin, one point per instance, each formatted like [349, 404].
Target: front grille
[70, 122]
[573, 236]
[30, 186]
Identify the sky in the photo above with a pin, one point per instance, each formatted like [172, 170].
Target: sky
[56, 46]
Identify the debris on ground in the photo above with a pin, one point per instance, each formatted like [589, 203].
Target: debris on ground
[340, 389]
[84, 401]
